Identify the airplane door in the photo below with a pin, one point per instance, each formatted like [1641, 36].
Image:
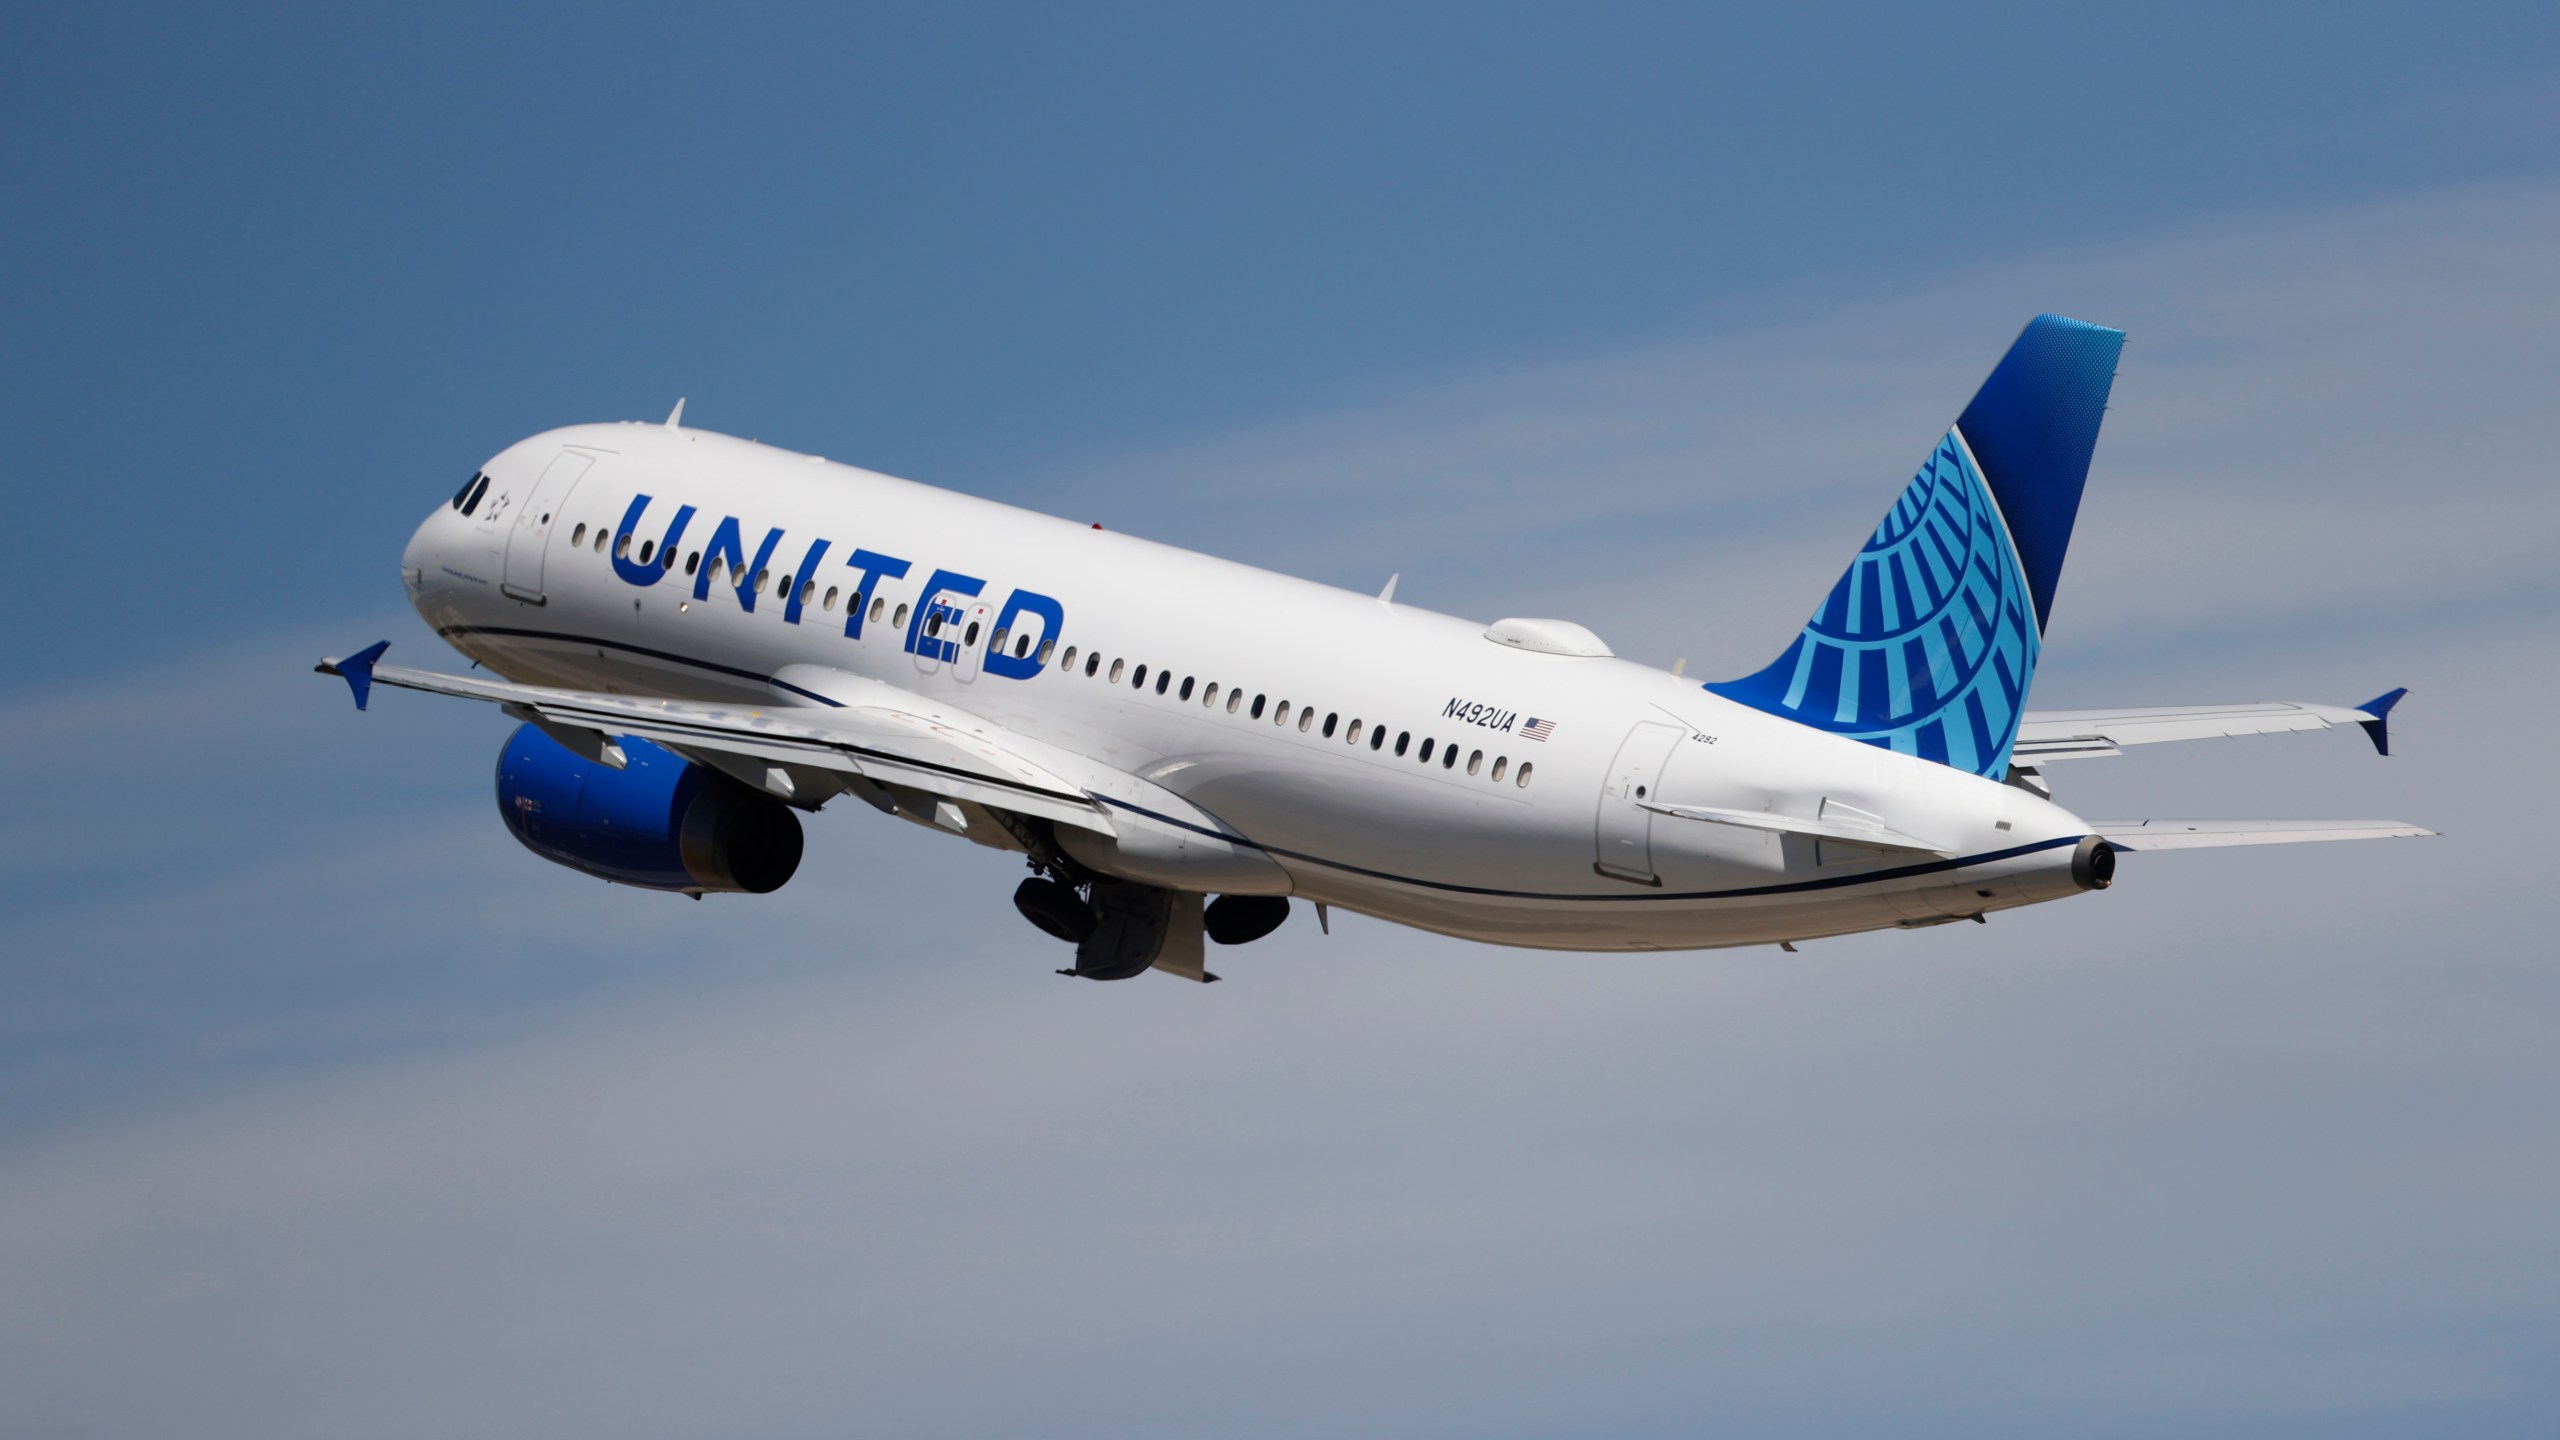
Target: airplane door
[977, 618]
[1624, 828]
[531, 536]
[954, 633]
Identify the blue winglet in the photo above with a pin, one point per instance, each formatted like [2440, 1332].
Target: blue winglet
[2378, 729]
[358, 669]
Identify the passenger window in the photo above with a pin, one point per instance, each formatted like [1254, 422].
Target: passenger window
[1209, 696]
[969, 636]
[807, 589]
[877, 603]
[1071, 657]
[1022, 647]
[997, 644]
[1378, 738]
[1186, 687]
[599, 539]
[1306, 719]
[621, 546]
[1281, 716]
[1257, 707]
[1235, 698]
[761, 577]
[1475, 762]
[1092, 663]
[667, 559]
[1525, 768]
[1500, 764]
[1426, 750]
[578, 537]
[1329, 718]
[1449, 758]
[1164, 678]
[1046, 646]
[1138, 679]
[899, 620]
[1116, 667]
[1403, 738]
[646, 546]
[693, 562]
[829, 604]
[1354, 737]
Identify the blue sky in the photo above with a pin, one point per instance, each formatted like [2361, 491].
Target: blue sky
[323, 1107]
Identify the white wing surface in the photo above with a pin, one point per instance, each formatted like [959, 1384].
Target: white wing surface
[2045, 736]
[796, 754]
[2208, 834]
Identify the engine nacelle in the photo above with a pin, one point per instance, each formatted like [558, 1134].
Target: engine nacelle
[661, 822]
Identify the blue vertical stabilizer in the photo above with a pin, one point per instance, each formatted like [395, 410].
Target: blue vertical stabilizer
[1929, 640]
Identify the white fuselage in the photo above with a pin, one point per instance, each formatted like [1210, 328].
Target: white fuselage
[1516, 840]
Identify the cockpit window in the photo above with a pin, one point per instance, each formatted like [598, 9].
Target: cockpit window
[465, 492]
[471, 497]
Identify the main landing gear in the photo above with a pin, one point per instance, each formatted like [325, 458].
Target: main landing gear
[1121, 928]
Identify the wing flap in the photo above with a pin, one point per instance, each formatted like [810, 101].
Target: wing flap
[2211, 834]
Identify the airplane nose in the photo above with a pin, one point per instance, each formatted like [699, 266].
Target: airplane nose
[418, 556]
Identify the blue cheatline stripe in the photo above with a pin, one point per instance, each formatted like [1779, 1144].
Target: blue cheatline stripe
[1837, 882]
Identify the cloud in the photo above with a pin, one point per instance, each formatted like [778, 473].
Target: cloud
[2310, 399]
[330, 1110]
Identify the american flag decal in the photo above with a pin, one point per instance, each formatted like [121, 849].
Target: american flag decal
[1536, 729]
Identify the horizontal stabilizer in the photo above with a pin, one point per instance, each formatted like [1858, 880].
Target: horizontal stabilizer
[2208, 834]
[2045, 736]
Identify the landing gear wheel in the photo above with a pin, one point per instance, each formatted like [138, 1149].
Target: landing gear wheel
[1239, 919]
[1056, 908]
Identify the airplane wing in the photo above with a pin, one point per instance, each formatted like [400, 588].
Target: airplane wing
[2205, 834]
[2048, 735]
[800, 755]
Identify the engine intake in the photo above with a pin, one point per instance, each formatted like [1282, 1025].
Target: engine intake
[661, 822]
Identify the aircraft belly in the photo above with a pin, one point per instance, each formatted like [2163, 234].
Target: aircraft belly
[1349, 816]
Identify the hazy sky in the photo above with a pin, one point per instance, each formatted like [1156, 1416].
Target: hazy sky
[326, 1109]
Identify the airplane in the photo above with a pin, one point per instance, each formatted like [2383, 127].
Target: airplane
[704, 638]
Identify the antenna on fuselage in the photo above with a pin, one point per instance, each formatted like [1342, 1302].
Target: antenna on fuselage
[675, 417]
[1388, 595]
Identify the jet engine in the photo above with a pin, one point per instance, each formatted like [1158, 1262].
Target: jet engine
[660, 822]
